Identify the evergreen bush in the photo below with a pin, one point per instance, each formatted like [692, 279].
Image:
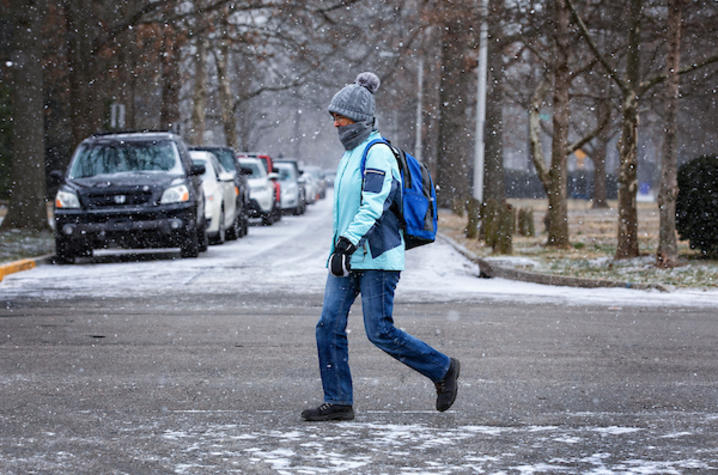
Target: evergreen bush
[697, 204]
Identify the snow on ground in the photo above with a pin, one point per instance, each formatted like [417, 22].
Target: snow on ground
[289, 257]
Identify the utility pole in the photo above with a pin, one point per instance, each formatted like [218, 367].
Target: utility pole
[478, 190]
[419, 108]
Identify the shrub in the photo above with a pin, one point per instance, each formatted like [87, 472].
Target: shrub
[697, 204]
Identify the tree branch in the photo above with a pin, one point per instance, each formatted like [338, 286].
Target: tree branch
[537, 156]
[589, 136]
[648, 84]
[594, 48]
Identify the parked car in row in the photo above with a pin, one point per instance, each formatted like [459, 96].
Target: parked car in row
[130, 190]
[293, 198]
[228, 158]
[317, 176]
[268, 164]
[220, 195]
[262, 202]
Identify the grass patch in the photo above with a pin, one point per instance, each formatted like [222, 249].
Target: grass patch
[17, 244]
[593, 246]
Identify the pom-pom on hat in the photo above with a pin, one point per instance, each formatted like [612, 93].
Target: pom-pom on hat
[356, 100]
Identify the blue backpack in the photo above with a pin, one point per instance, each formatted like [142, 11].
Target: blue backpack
[417, 213]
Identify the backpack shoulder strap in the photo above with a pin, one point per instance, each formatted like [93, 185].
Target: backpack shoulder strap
[399, 155]
[366, 151]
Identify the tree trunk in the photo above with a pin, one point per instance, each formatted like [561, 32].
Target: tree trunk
[454, 154]
[199, 103]
[86, 107]
[229, 121]
[557, 206]
[170, 57]
[667, 253]
[599, 159]
[535, 148]
[431, 102]
[627, 240]
[27, 208]
[494, 187]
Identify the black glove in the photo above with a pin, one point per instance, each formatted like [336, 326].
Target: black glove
[339, 261]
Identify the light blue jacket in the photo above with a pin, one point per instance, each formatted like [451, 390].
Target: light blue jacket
[363, 216]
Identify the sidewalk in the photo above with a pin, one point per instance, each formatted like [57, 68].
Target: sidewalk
[23, 264]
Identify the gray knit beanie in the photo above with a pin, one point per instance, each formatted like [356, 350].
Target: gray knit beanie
[356, 101]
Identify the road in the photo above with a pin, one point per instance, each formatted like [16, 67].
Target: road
[135, 364]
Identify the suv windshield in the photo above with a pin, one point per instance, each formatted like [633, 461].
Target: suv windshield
[120, 157]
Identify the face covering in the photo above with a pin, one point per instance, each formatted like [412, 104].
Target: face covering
[353, 134]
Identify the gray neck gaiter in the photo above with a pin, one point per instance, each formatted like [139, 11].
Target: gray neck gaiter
[353, 134]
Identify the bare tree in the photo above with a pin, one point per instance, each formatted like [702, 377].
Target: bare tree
[27, 208]
[667, 253]
[632, 88]
[455, 89]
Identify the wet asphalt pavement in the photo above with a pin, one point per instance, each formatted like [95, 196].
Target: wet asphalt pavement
[190, 383]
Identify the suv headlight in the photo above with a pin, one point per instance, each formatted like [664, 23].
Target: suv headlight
[175, 194]
[66, 199]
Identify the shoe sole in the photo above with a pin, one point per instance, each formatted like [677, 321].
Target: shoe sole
[458, 372]
[336, 417]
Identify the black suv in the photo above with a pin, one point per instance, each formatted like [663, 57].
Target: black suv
[130, 190]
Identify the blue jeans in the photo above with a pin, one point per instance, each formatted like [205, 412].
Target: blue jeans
[377, 294]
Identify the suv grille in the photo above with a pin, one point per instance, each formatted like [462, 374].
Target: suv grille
[128, 198]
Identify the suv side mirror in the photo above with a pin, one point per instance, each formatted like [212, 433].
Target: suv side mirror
[197, 170]
[56, 177]
[273, 176]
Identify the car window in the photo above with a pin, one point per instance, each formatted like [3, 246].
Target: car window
[121, 157]
[254, 168]
[226, 158]
[285, 172]
[209, 171]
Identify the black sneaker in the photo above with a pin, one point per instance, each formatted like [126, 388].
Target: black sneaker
[447, 388]
[329, 412]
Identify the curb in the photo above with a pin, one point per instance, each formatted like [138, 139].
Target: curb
[489, 270]
[23, 264]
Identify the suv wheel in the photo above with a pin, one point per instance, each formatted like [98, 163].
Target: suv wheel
[64, 251]
[233, 230]
[220, 236]
[203, 238]
[244, 222]
[190, 245]
[268, 219]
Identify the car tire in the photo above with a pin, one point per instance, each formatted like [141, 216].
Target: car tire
[65, 253]
[233, 230]
[190, 246]
[221, 235]
[203, 237]
[244, 226]
[268, 219]
[276, 214]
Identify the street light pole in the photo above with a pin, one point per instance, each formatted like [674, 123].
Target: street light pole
[478, 191]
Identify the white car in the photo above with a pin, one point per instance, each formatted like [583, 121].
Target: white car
[310, 186]
[292, 196]
[317, 175]
[220, 195]
[261, 190]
